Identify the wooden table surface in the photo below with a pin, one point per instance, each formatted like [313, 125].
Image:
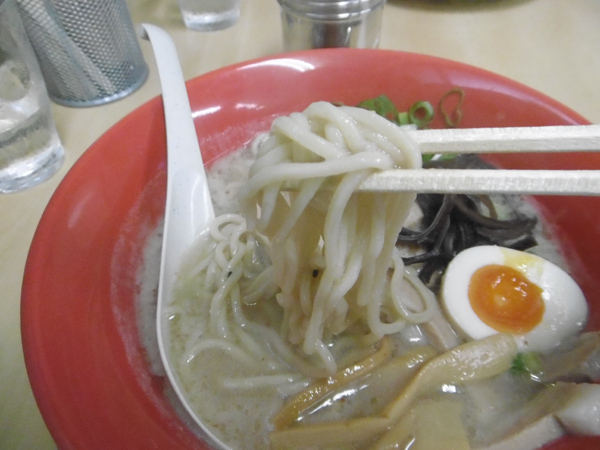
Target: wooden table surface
[550, 45]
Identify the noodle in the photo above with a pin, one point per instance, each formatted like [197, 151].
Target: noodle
[327, 228]
[308, 277]
[291, 292]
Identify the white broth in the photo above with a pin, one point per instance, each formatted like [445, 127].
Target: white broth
[238, 370]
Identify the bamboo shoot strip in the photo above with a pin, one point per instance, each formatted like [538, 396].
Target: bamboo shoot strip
[318, 390]
[471, 361]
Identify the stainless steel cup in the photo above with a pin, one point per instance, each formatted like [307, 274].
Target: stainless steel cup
[331, 23]
[30, 149]
[88, 50]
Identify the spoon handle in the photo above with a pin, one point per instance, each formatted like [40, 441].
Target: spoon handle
[188, 206]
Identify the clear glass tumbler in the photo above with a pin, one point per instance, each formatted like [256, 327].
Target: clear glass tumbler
[30, 148]
[331, 23]
[209, 15]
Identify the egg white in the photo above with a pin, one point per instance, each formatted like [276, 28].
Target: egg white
[565, 312]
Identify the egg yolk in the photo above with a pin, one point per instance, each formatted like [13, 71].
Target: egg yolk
[505, 299]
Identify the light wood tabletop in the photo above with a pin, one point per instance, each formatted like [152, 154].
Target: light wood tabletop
[550, 45]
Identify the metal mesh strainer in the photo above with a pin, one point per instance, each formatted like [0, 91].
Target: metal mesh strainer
[87, 49]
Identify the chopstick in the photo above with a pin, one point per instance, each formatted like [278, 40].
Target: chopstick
[481, 181]
[563, 138]
[496, 140]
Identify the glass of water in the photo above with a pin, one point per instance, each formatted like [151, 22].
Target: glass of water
[209, 15]
[30, 149]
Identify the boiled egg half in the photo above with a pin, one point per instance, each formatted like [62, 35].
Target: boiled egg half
[490, 289]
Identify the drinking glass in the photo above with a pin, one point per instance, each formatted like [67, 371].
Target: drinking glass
[209, 15]
[30, 148]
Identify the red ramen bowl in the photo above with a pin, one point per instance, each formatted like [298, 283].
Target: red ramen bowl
[87, 364]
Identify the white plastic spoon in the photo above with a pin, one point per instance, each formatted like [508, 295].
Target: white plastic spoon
[189, 208]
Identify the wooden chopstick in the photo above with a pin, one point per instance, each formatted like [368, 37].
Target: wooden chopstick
[551, 139]
[481, 181]
[496, 140]
[563, 138]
